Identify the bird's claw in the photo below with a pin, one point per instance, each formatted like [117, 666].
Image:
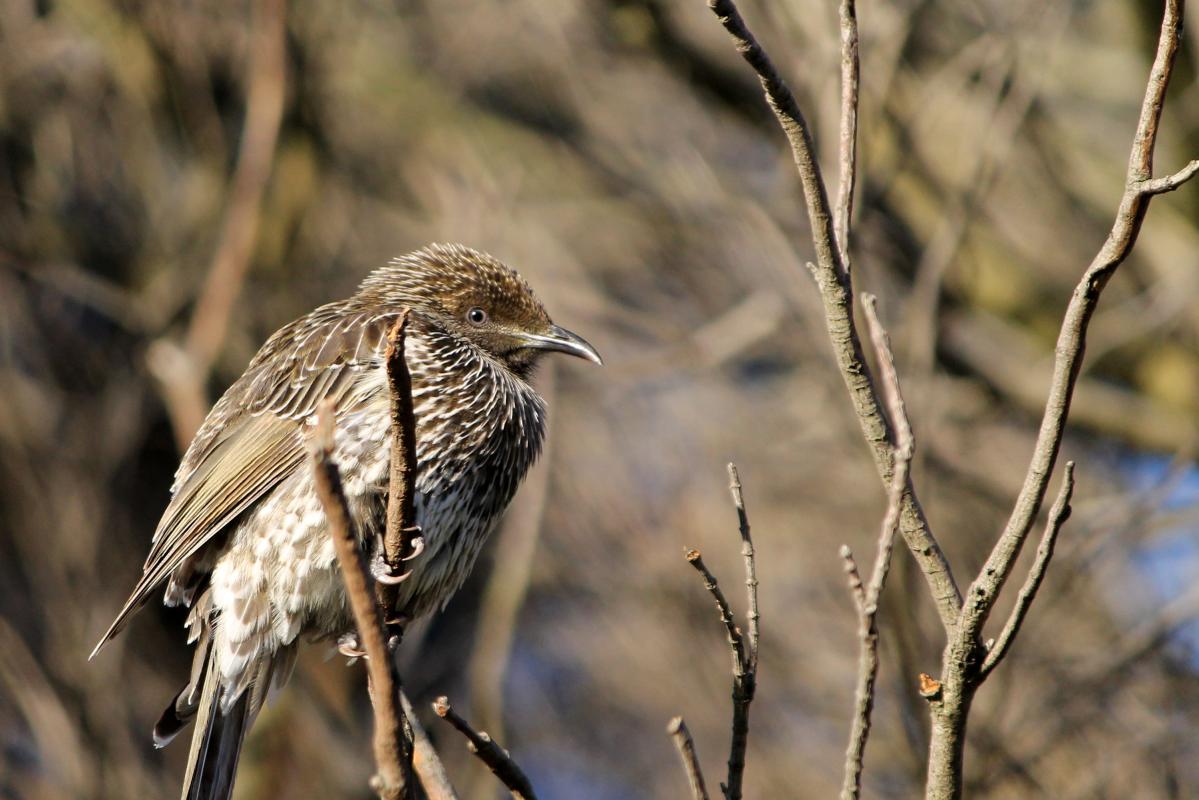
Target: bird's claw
[418, 545]
[382, 572]
[348, 646]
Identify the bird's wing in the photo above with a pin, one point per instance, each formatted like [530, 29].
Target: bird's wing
[253, 439]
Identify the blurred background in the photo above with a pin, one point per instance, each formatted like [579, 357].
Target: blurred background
[177, 180]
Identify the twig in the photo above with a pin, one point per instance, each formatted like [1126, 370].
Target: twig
[425, 761]
[868, 661]
[751, 569]
[833, 281]
[744, 655]
[847, 154]
[1058, 514]
[736, 642]
[497, 759]
[389, 741]
[401, 531]
[853, 577]
[686, 747]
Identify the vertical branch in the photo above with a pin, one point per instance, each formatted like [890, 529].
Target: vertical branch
[867, 598]
[401, 536]
[836, 292]
[392, 756]
[847, 151]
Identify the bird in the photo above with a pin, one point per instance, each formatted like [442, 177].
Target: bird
[243, 542]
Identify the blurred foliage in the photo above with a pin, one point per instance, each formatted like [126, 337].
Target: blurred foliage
[620, 155]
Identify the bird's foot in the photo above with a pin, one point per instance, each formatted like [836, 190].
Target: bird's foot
[382, 572]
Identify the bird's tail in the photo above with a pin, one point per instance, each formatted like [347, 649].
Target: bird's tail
[216, 741]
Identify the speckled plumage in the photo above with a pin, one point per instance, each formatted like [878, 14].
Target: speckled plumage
[243, 541]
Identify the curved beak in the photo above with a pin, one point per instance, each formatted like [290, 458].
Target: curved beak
[563, 341]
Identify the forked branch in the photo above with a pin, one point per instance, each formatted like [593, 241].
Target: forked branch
[744, 651]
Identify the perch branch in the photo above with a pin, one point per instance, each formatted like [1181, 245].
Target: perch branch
[868, 598]
[834, 284]
[400, 539]
[686, 746]
[497, 759]
[391, 752]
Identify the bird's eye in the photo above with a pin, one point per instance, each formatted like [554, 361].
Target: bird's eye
[476, 316]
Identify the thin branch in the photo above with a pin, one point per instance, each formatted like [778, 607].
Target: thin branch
[751, 569]
[497, 759]
[425, 761]
[389, 741]
[744, 654]
[854, 578]
[868, 660]
[401, 532]
[1058, 514]
[833, 281]
[847, 154]
[1170, 182]
[736, 643]
[1139, 188]
[686, 747]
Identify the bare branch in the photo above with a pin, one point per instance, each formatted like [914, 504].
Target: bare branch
[854, 578]
[1058, 514]
[686, 746]
[736, 643]
[745, 655]
[961, 673]
[425, 761]
[497, 759]
[401, 534]
[847, 160]
[389, 741]
[1138, 190]
[833, 281]
[868, 660]
[1170, 182]
[751, 569]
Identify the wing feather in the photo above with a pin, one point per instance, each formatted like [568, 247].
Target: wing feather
[253, 437]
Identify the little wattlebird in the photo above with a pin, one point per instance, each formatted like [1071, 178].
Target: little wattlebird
[243, 541]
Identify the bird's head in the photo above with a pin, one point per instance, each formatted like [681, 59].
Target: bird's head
[474, 296]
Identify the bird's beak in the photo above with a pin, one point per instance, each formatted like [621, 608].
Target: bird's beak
[563, 341]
